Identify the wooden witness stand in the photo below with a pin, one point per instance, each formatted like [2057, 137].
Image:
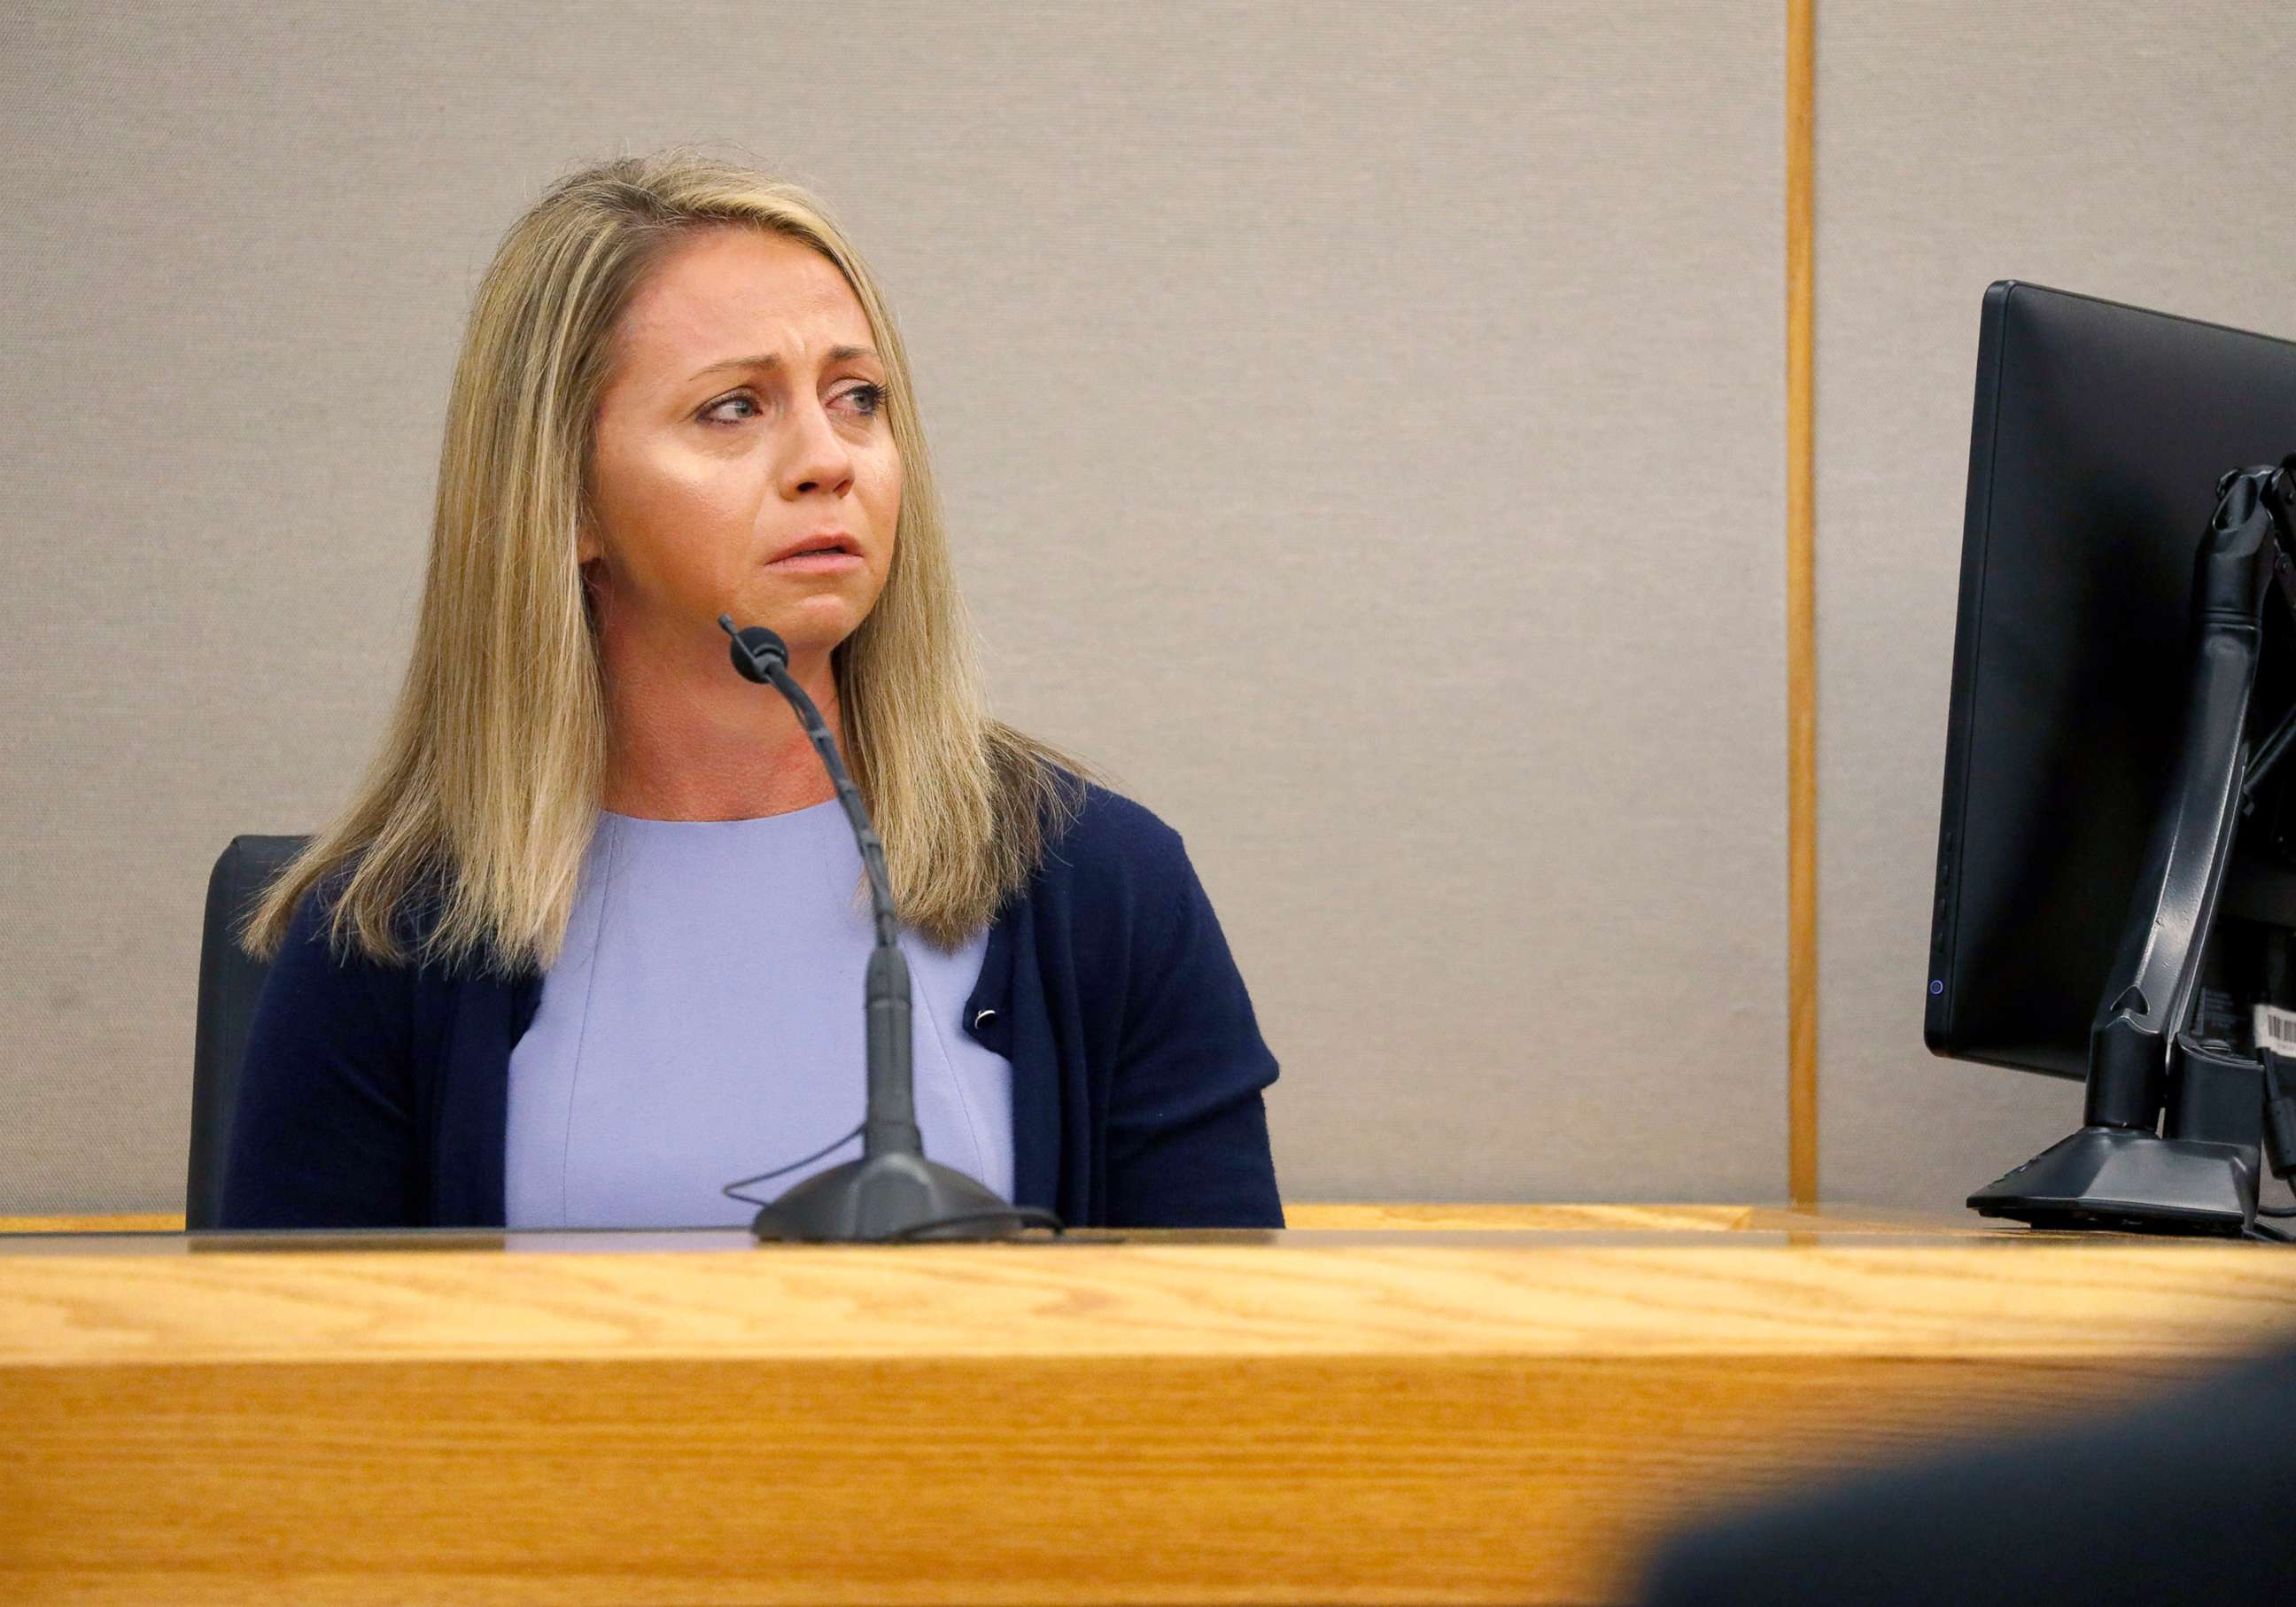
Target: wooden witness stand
[1424, 1404]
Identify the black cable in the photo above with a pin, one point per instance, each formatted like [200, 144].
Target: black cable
[740, 1182]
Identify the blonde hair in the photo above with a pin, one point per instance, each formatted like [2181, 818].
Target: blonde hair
[484, 797]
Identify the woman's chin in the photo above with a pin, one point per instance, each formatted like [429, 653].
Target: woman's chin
[810, 627]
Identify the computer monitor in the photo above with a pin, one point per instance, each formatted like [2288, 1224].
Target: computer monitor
[2100, 438]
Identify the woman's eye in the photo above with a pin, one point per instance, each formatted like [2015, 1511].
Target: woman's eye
[867, 399]
[711, 414]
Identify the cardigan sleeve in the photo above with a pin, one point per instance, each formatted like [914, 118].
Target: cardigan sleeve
[1187, 1127]
[322, 1132]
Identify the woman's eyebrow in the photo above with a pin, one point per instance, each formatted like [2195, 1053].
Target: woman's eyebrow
[773, 359]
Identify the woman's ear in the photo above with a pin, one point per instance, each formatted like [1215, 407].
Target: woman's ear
[590, 564]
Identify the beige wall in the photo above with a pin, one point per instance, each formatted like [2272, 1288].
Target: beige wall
[1363, 427]
[1362, 424]
[2140, 153]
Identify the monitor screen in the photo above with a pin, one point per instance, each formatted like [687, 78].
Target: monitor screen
[2100, 434]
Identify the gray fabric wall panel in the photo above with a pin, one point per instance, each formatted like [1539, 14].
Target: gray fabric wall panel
[2137, 152]
[1362, 426]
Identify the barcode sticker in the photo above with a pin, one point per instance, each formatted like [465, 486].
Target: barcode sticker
[2276, 1030]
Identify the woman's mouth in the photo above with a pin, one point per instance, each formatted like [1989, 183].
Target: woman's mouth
[826, 562]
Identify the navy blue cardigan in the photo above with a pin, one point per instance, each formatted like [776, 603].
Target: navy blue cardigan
[376, 1095]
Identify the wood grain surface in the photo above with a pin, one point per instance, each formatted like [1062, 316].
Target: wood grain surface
[1312, 1216]
[144, 1222]
[1320, 1217]
[1420, 1415]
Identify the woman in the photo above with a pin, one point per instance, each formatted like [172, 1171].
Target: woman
[587, 943]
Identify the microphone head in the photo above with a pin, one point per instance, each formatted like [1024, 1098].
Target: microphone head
[753, 649]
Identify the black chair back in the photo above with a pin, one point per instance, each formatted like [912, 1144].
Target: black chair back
[230, 982]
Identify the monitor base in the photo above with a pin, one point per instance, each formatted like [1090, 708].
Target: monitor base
[2126, 1180]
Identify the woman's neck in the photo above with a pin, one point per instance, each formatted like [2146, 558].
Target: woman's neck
[692, 743]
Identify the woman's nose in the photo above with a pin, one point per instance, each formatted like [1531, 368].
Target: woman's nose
[816, 457]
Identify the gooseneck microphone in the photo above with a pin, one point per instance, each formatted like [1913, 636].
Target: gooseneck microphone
[892, 1193]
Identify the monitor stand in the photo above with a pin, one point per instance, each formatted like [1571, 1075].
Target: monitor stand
[2121, 1170]
[2123, 1180]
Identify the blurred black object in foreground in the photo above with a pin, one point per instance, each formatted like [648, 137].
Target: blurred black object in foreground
[2192, 1498]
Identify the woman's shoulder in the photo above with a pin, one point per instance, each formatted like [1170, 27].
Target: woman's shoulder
[1116, 860]
[1109, 826]
[1105, 834]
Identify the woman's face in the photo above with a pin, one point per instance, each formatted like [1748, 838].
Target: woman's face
[743, 418]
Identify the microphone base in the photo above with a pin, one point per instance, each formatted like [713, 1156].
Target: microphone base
[883, 1197]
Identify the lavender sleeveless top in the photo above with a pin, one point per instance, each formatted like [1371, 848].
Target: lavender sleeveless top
[705, 1023]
